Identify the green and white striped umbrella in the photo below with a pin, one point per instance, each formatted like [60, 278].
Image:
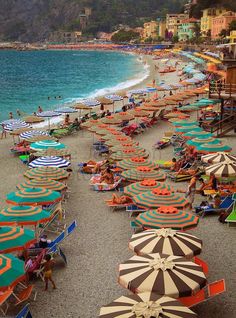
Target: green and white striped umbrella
[47, 173]
[199, 141]
[126, 154]
[142, 173]
[136, 162]
[145, 185]
[46, 144]
[208, 148]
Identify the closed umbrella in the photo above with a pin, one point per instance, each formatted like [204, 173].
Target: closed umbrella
[42, 183]
[146, 305]
[145, 185]
[171, 275]
[209, 148]
[157, 197]
[47, 173]
[218, 157]
[46, 144]
[33, 196]
[167, 217]
[125, 154]
[23, 215]
[15, 239]
[141, 173]
[49, 162]
[223, 169]
[12, 271]
[136, 162]
[165, 241]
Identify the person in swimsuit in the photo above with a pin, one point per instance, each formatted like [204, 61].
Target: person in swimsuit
[47, 269]
[121, 200]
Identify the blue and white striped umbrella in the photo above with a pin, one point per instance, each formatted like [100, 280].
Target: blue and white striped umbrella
[65, 110]
[151, 89]
[114, 98]
[33, 133]
[50, 161]
[138, 91]
[46, 144]
[48, 113]
[91, 102]
[165, 87]
[16, 125]
[10, 121]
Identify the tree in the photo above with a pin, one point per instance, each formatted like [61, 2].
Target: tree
[223, 33]
[124, 36]
[175, 38]
[232, 26]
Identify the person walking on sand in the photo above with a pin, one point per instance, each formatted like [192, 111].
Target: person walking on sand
[191, 191]
[4, 133]
[47, 269]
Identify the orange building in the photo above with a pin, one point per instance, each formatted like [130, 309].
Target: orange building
[221, 22]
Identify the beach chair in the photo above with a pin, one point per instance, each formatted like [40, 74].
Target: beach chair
[24, 313]
[201, 263]
[4, 305]
[24, 294]
[104, 186]
[231, 219]
[115, 206]
[225, 204]
[133, 210]
[36, 268]
[179, 177]
[55, 224]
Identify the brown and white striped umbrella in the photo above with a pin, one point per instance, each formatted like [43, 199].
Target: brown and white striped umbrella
[171, 275]
[218, 157]
[222, 169]
[165, 241]
[146, 305]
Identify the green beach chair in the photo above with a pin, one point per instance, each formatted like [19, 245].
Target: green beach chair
[231, 219]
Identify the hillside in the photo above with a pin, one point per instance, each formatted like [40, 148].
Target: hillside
[33, 20]
[204, 4]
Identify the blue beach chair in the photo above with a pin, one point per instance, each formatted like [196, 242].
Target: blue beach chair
[24, 313]
[225, 204]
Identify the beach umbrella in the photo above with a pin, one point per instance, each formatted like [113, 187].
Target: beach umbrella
[136, 162]
[49, 162]
[112, 134]
[53, 152]
[33, 196]
[124, 116]
[174, 98]
[176, 114]
[39, 138]
[65, 110]
[46, 144]
[15, 238]
[12, 271]
[114, 142]
[105, 101]
[188, 128]
[33, 133]
[197, 134]
[167, 217]
[91, 102]
[167, 275]
[164, 87]
[23, 215]
[165, 241]
[126, 146]
[145, 185]
[118, 140]
[182, 123]
[42, 183]
[146, 305]
[16, 125]
[189, 108]
[170, 102]
[33, 119]
[47, 173]
[10, 121]
[114, 98]
[138, 91]
[81, 106]
[138, 112]
[101, 132]
[159, 197]
[198, 141]
[111, 120]
[218, 157]
[208, 148]
[223, 169]
[129, 153]
[48, 114]
[19, 131]
[96, 128]
[141, 173]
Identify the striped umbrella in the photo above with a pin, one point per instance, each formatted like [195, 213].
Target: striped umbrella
[195, 134]
[53, 152]
[145, 185]
[90, 123]
[42, 183]
[175, 114]
[165, 241]
[218, 157]
[23, 215]
[140, 91]
[146, 305]
[33, 133]
[124, 116]
[47, 173]
[48, 113]
[91, 102]
[114, 98]
[39, 138]
[167, 217]
[223, 169]
[15, 238]
[208, 148]
[182, 123]
[33, 196]
[46, 144]
[110, 135]
[125, 154]
[10, 121]
[111, 120]
[16, 125]
[126, 147]
[138, 112]
[115, 142]
[157, 197]
[168, 275]
[65, 110]
[118, 140]
[199, 141]
[12, 271]
[141, 173]
[49, 162]
[188, 128]
[136, 162]
[189, 108]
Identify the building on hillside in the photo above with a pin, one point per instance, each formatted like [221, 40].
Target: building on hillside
[84, 17]
[104, 36]
[65, 37]
[150, 30]
[173, 21]
[221, 22]
[232, 37]
[206, 20]
[187, 29]
[188, 6]
[161, 27]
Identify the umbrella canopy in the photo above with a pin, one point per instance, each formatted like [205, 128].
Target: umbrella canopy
[65, 110]
[100, 132]
[195, 134]
[182, 123]
[46, 144]
[52, 152]
[105, 101]
[81, 106]
[146, 305]
[138, 112]
[199, 141]
[15, 238]
[136, 162]
[158, 197]
[114, 98]
[47, 173]
[145, 185]
[90, 123]
[23, 215]
[223, 169]
[188, 128]
[91, 102]
[126, 147]
[189, 108]
[119, 139]
[124, 116]
[175, 114]
[33, 196]
[111, 120]
[16, 125]
[33, 119]
[49, 162]
[141, 173]
[165, 241]
[42, 183]
[218, 157]
[48, 113]
[125, 154]
[19, 131]
[39, 138]
[12, 271]
[33, 133]
[112, 134]
[115, 142]
[208, 148]
[167, 217]
[171, 275]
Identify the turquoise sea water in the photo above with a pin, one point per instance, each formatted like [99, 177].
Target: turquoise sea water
[27, 79]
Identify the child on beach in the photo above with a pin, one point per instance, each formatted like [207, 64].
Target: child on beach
[47, 269]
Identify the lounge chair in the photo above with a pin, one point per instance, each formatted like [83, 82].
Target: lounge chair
[116, 206]
[96, 186]
[4, 296]
[133, 209]
[24, 313]
[225, 204]
[24, 294]
[231, 219]
[36, 268]
[179, 178]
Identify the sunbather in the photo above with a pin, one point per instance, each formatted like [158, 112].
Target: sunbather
[47, 269]
[211, 184]
[107, 177]
[121, 200]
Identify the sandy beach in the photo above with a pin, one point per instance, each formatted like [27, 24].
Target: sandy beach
[100, 243]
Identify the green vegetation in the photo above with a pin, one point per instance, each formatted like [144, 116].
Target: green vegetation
[196, 11]
[123, 36]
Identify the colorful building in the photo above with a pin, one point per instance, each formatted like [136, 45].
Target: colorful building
[173, 21]
[186, 30]
[232, 37]
[206, 20]
[150, 30]
[161, 27]
[221, 22]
